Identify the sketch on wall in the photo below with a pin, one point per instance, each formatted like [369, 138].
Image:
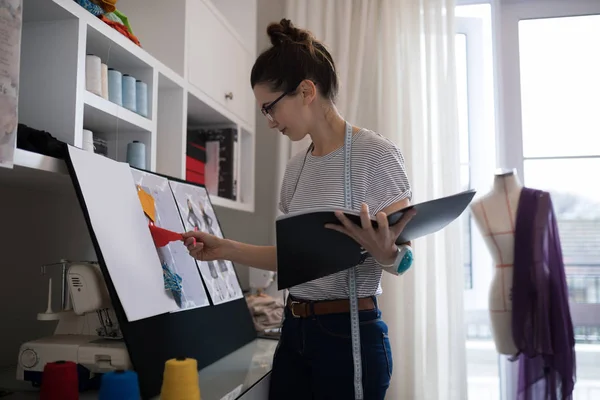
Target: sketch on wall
[174, 256]
[11, 15]
[198, 214]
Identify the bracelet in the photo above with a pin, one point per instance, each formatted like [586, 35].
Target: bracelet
[399, 250]
[386, 265]
[403, 261]
[406, 261]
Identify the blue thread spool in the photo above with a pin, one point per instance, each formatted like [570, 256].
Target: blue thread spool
[119, 385]
[141, 94]
[115, 86]
[136, 154]
[129, 98]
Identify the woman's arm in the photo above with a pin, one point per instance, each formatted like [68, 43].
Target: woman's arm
[399, 205]
[206, 247]
[261, 257]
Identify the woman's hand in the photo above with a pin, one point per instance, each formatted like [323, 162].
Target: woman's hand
[380, 242]
[205, 247]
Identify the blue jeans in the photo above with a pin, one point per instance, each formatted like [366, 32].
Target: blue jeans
[313, 359]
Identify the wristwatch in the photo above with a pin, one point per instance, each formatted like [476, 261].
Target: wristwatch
[404, 259]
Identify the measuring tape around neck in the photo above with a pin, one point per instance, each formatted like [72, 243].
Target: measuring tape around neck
[352, 297]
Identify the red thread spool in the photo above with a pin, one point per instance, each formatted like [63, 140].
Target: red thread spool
[60, 381]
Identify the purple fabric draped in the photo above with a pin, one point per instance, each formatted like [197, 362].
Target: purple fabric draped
[541, 320]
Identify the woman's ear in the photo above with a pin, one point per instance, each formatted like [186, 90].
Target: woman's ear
[308, 90]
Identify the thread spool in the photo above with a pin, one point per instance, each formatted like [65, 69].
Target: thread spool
[87, 140]
[129, 97]
[60, 381]
[136, 154]
[141, 95]
[180, 380]
[93, 74]
[104, 80]
[115, 86]
[119, 385]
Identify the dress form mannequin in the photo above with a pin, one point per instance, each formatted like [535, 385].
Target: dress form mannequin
[495, 215]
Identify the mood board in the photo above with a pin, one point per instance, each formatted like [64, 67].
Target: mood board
[165, 300]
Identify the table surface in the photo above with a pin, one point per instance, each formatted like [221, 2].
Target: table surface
[226, 378]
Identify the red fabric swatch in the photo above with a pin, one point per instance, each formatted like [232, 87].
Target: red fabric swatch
[163, 237]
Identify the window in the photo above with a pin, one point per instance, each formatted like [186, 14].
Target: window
[550, 87]
[542, 67]
[463, 128]
[475, 90]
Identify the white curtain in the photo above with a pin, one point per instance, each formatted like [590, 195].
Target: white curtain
[396, 65]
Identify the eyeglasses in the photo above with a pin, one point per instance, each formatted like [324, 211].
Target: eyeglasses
[266, 109]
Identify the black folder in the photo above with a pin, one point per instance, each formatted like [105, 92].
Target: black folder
[306, 250]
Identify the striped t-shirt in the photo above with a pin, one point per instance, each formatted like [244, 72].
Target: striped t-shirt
[378, 179]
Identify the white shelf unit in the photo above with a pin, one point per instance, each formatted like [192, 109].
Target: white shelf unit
[193, 60]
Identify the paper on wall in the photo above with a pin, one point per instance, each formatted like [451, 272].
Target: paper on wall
[11, 14]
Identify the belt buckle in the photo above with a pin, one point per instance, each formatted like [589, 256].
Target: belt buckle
[292, 308]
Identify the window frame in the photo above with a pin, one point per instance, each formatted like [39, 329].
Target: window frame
[506, 15]
[510, 140]
[481, 124]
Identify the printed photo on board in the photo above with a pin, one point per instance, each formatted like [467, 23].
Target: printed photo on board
[181, 272]
[198, 214]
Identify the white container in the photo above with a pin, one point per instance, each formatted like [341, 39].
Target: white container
[88, 141]
[104, 80]
[93, 74]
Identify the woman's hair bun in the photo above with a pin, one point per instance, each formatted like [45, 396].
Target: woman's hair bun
[285, 32]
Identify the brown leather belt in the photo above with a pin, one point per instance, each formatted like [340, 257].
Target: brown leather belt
[303, 309]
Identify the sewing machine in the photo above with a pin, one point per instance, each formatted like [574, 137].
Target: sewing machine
[87, 332]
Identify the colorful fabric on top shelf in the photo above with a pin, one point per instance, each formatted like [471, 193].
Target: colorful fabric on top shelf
[108, 5]
[119, 17]
[123, 19]
[91, 7]
[113, 17]
[121, 28]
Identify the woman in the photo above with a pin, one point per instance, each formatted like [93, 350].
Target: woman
[295, 84]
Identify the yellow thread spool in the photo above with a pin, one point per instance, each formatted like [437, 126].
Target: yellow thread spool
[180, 380]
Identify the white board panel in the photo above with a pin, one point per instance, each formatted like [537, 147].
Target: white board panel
[175, 255]
[121, 230]
[197, 212]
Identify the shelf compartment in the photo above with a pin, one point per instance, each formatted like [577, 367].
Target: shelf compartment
[117, 145]
[242, 176]
[49, 76]
[106, 43]
[171, 128]
[105, 116]
[34, 170]
[200, 113]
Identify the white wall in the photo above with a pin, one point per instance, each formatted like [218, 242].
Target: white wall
[258, 227]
